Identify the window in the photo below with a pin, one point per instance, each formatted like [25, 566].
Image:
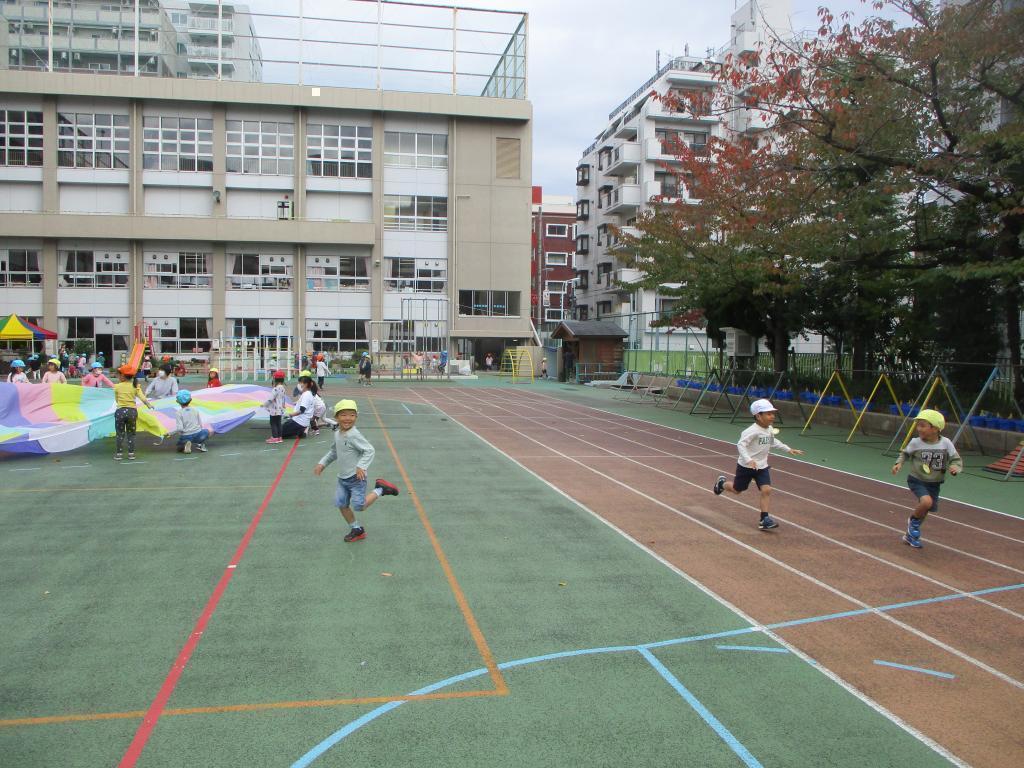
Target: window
[75, 328]
[420, 213]
[90, 269]
[338, 335]
[668, 184]
[93, 141]
[252, 271]
[177, 143]
[582, 279]
[583, 244]
[260, 146]
[582, 175]
[583, 312]
[245, 327]
[19, 266]
[406, 275]
[336, 273]
[415, 150]
[184, 269]
[21, 137]
[582, 210]
[489, 303]
[604, 269]
[602, 234]
[554, 315]
[556, 230]
[342, 151]
[556, 259]
[604, 308]
[181, 335]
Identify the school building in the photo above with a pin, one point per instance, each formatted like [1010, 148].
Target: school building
[312, 203]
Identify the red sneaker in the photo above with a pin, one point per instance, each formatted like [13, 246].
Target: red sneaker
[355, 534]
[389, 489]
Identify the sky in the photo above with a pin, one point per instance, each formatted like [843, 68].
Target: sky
[587, 56]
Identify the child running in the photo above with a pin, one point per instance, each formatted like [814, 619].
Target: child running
[188, 426]
[365, 369]
[17, 374]
[322, 371]
[275, 408]
[354, 454]
[126, 416]
[53, 374]
[931, 456]
[752, 464]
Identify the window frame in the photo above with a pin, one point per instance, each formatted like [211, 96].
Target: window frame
[415, 149]
[321, 156]
[100, 140]
[24, 128]
[249, 150]
[101, 272]
[548, 262]
[415, 213]
[166, 145]
[28, 278]
[260, 271]
[548, 227]
[176, 272]
[334, 276]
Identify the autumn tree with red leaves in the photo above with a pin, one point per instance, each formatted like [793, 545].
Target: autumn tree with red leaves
[885, 205]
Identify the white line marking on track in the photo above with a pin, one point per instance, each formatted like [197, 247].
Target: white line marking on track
[76, 466]
[874, 705]
[231, 454]
[25, 469]
[794, 570]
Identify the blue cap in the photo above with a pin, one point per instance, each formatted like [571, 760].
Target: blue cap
[96, 365]
[17, 364]
[184, 397]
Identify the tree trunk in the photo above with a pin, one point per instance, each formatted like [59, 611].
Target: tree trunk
[780, 349]
[1013, 307]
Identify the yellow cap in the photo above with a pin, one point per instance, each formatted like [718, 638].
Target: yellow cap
[346, 405]
[934, 418]
[214, 370]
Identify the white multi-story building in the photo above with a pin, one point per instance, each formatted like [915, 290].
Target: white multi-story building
[216, 40]
[625, 167]
[316, 217]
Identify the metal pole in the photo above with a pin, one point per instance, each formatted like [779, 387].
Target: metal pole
[49, 35]
[136, 41]
[455, 49]
[220, 39]
[380, 41]
[301, 36]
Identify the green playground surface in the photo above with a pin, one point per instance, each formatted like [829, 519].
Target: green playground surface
[313, 644]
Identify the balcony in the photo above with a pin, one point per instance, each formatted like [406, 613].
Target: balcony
[627, 130]
[206, 54]
[624, 198]
[624, 159]
[199, 26]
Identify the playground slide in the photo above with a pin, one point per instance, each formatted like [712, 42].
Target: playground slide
[135, 358]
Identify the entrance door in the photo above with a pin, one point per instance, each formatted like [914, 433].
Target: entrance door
[105, 344]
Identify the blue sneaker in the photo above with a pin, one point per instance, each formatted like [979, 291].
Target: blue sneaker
[767, 524]
[914, 541]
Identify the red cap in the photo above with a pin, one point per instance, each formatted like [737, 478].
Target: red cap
[277, 375]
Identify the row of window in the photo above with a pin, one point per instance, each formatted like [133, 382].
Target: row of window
[193, 269]
[489, 303]
[103, 140]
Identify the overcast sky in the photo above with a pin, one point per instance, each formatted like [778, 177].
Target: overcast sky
[587, 56]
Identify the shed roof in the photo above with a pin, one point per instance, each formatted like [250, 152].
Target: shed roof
[588, 329]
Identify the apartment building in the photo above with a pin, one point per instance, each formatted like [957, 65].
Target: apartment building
[316, 217]
[552, 270]
[626, 170]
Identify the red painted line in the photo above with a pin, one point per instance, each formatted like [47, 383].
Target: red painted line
[156, 709]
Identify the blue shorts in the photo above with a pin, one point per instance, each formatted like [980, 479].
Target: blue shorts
[744, 475]
[920, 489]
[351, 493]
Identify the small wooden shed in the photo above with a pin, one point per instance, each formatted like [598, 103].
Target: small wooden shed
[595, 346]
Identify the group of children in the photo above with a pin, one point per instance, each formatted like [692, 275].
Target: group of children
[931, 456]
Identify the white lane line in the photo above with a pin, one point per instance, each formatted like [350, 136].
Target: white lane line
[25, 469]
[406, 409]
[231, 454]
[834, 677]
[792, 569]
[76, 466]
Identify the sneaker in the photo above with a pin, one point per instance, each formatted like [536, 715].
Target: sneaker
[202, 447]
[767, 524]
[915, 542]
[118, 456]
[131, 456]
[316, 433]
[188, 447]
[389, 488]
[271, 440]
[719, 485]
[355, 534]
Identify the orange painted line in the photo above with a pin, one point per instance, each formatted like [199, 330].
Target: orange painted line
[226, 708]
[500, 686]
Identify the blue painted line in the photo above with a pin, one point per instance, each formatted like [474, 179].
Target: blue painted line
[716, 725]
[407, 409]
[643, 649]
[944, 675]
[757, 648]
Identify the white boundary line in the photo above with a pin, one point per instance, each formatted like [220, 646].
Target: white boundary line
[835, 678]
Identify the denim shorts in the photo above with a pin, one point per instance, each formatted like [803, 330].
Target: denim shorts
[351, 493]
[921, 489]
[745, 474]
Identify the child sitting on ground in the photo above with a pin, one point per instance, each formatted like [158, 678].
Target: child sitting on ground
[188, 425]
[275, 408]
[353, 453]
[752, 464]
[931, 456]
[297, 425]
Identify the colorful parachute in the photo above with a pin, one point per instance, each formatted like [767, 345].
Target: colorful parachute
[53, 418]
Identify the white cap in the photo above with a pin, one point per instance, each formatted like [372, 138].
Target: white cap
[761, 406]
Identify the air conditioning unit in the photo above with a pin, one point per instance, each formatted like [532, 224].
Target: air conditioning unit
[738, 343]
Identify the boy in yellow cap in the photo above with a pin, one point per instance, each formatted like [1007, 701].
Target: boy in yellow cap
[931, 455]
[354, 454]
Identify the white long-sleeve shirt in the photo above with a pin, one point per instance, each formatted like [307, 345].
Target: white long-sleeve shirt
[162, 387]
[351, 450]
[754, 444]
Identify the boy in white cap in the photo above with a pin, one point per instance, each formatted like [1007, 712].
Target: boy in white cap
[752, 463]
[354, 454]
[931, 455]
